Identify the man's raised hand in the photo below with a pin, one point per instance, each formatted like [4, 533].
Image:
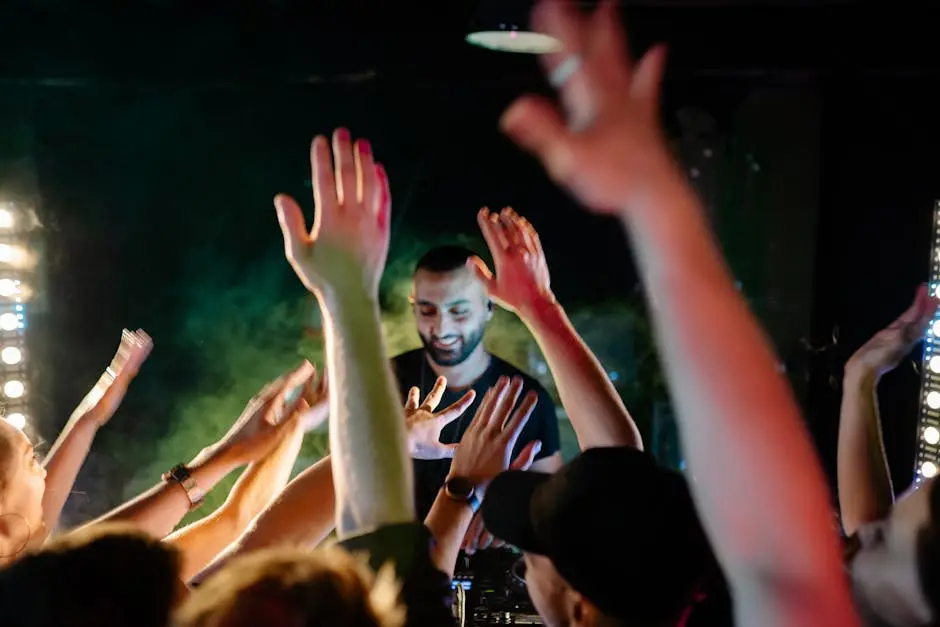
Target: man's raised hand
[348, 243]
[522, 278]
[424, 425]
[610, 146]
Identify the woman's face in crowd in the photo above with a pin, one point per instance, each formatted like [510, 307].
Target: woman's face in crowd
[884, 570]
[24, 479]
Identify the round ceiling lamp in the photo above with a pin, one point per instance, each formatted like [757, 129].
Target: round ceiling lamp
[504, 26]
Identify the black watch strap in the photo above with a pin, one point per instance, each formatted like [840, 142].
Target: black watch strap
[463, 490]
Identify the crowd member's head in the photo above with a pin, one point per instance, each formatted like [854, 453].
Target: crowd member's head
[451, 306]
[612, 539]
[103, 576]
[895, 563]
[22, 485]
[286, 587]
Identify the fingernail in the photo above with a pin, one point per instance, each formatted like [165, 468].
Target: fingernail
[364, 146]
[537, 448]
[342, 133]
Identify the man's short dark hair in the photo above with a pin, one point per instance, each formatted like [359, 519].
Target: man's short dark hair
[102, 576]
[928, 554]
[441, 259]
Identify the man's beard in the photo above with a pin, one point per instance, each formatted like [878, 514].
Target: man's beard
[456, 354]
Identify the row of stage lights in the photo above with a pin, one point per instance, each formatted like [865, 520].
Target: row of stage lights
[928, 440]
[14, 268]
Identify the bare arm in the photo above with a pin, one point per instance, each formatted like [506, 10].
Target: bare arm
[757, 483]
[522, 284]
[158, 510]
[865, 490]
[200, 541]
[303, 514]
[67, 455]
[737, 416]
[341, 261]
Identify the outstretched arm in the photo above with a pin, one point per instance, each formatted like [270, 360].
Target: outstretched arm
[341, 262]
[522, 284]
[737, 417]
[67, 455]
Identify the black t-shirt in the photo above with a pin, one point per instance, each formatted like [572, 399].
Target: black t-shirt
[413, 370]
[425, 591]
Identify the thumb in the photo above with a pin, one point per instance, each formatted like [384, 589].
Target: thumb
[526, 456]
[537, 127]
[291, 218]
[479, 269]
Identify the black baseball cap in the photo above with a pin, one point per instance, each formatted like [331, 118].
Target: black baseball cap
[619, 528]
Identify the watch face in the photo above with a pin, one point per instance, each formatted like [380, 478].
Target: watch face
[460, 487]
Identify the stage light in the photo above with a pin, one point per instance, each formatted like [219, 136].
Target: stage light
[14, 388]
[928, 429]
[8, 287]
[933, 400]
[928, 470]
[7, 220]
[931, 435]
[17, 420]
[9, 321]
[11, 355]
[503, 26]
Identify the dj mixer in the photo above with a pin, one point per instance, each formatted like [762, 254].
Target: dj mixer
[494, 590]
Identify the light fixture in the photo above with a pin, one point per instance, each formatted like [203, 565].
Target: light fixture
[928, 429]
[7, 221]
[11, 355]
[9, 321]
[17, 420]
[503, 26]
[14, 388]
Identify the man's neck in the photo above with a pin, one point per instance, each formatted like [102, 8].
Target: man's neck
[464, 374]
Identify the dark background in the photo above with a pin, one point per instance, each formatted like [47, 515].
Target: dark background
[151, 140]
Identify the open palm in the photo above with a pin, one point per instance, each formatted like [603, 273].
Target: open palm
[424, 425]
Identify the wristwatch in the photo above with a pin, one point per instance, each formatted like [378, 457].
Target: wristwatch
[181, 475]
[462, 490]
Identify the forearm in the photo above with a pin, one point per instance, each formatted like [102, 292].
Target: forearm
[158, 510]
[63, 464]
[448, 521]
[594, 407]
[371, 468]
[865, 490]
[303, 514]
[202, 540]
[758, 484]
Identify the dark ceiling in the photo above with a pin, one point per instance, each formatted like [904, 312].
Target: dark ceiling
[71, 42]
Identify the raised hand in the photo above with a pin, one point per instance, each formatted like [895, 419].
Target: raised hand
[348, 243]
[610, 146]
[267, 417]
[522, 277]
[102, 401]
[485, 450]
[885, 350]
[424, 425]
